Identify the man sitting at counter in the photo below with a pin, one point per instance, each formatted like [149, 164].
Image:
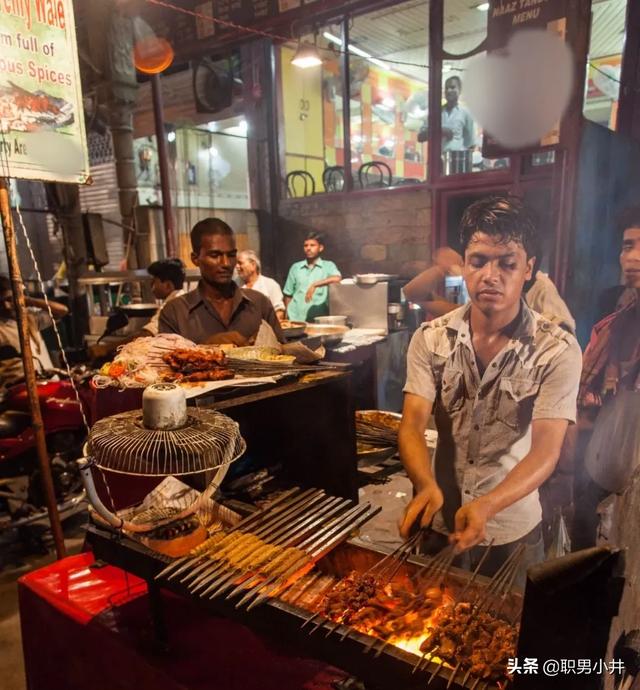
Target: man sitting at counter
[502, 381]
[306, 294]
[217, 311]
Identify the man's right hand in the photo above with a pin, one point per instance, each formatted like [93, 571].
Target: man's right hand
[447, 133]
[449, 261]
[424, 505]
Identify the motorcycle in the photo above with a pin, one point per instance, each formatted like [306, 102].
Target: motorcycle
[22, 500]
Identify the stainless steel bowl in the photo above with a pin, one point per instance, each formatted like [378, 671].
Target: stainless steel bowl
[331, 320]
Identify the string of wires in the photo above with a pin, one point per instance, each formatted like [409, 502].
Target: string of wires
[335, 49]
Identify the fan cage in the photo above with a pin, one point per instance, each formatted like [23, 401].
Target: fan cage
[122, 444]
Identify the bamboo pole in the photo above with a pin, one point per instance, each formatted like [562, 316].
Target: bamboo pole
[29, 368]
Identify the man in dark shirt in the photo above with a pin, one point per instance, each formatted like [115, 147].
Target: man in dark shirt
[217, 311]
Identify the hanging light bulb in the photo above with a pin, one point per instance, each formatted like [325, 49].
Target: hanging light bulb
[306, 56]
[151, 54]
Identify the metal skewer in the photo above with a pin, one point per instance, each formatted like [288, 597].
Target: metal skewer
[297, 504]
[266, 534]
[323, 547]
[182, 563]
[286, 537]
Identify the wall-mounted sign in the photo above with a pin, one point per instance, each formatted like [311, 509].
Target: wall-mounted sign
[42, 133]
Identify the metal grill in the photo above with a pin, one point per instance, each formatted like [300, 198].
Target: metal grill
[100, 147]
[122, 443]
[268, 551]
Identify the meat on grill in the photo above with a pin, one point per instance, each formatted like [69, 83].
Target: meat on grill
[479, 641]
[218, 374]
[349, 595]
[186, 361]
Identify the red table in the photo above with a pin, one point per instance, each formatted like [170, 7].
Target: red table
[87, 627]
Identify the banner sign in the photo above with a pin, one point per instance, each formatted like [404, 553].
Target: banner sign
[42, 133]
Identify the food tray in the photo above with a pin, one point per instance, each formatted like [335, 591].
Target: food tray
[260, 354]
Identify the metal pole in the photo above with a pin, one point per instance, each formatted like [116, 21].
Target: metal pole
[163, 160]
[346, 108]
[29, 369]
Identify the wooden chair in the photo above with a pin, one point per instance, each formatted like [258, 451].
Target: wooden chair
[382, 175]
[307, 183]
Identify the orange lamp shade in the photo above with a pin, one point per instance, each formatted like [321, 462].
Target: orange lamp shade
[152, 55]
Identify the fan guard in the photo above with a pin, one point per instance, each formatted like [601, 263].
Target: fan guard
[121, 443]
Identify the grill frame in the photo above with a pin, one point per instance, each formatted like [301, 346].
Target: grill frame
[391, 670]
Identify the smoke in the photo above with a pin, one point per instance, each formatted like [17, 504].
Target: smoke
[519, 94]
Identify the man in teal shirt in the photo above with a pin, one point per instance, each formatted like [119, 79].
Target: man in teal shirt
[306, 294]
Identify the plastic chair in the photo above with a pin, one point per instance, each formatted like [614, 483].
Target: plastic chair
[307, 180]
[383, 174]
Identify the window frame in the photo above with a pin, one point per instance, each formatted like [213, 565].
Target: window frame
[519, 164]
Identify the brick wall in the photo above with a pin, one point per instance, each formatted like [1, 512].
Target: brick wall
[368, 232]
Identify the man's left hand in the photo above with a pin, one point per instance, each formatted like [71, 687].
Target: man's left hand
[471, 521]
[309, 294]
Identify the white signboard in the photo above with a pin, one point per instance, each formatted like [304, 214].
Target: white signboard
[42, 133]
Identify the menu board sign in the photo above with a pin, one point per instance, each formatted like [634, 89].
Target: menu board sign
[505, 17]
[41, 116]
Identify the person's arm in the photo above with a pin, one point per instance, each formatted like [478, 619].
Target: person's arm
[58, 310]
[277, 300]
[416, 460]
[553, 409]
[438, 307]
[321, 283]
[420, 392]
[289, 288]
[271, 318]
[427, 287]
[468, 132]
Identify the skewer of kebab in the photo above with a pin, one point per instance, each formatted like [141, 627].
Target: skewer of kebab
[375, 580]
[379, 566]
[290, 535]
[181, 564]
[313, 548]
[219, 558]
[270, 522]
[500, 586]
[280, 534]
[460, 597]
[447, 635]
[318, 549]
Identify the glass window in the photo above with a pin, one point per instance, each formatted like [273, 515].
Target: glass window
[209, 166]
[312, 114]
[465, 27]
[605, 59]
[389, 95]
